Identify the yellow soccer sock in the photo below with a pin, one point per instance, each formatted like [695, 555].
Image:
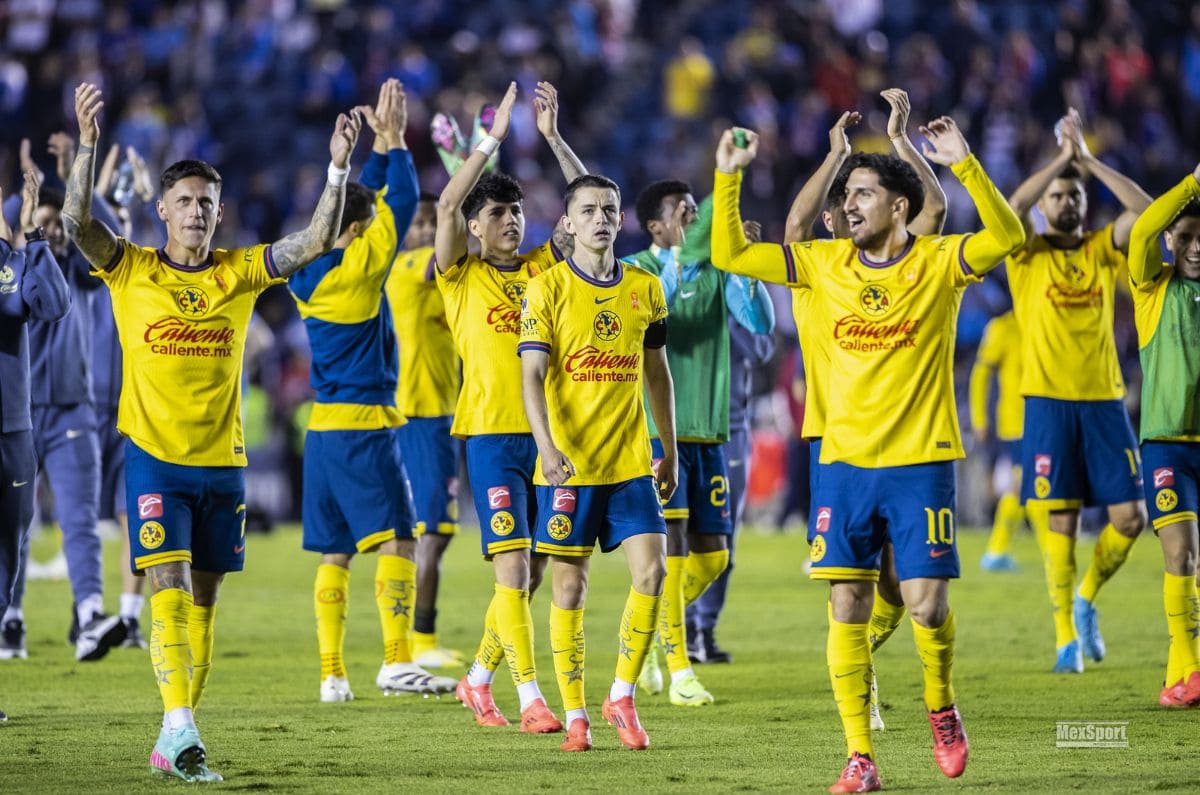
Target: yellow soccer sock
[936, 649]
[885, 617]
[515, 625]
[1039, 520]
[636, 634]
[200, 637]
[1183, 622]
[331, 597]
[1058, 555]
[491, 649]
[699, 571]
[395, 591]
[848, 654]
[1111, 550]
[170, 651]
[422, 642]
[567, 645]
[1008, 515]
[670, 616]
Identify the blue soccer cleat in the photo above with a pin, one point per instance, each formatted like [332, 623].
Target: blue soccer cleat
[1070, 659]
[180, 753]
[1088, 628]
[1003, 562]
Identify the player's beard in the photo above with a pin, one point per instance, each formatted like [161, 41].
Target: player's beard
[1065, 222]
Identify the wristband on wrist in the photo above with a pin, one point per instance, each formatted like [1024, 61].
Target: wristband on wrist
[35, 235]
[338, 176]
[488, 145]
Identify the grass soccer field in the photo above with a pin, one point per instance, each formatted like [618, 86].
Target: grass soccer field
[774, 726]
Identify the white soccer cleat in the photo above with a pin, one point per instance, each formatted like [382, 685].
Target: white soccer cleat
[335, 689]
[398, 678]
[876, 717]
[439, 658]
[651, 677]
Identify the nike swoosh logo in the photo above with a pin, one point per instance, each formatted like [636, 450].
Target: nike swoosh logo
[600, 300]
[685, 296]
[937, 553]
[239, 549]
[19, 484]
[843, 676]
[74, 434]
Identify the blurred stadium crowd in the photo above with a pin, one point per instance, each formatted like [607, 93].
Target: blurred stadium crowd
[644, 87]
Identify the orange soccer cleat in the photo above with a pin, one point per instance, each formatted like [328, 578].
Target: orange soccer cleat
[479, 700]
[860, 775]
[950, 748]
[579, 736]
[1184, 693]
[623, 714]
[538, 719]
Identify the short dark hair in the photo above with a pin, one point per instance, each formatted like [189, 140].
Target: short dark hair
[496, 187]
[650, 201]
[1070, 172]
[188, 168]
[895, 176]
[360, 200]
[1190, 210]
[51, 197]
[589, 181]
[426, 196]
[837, 189]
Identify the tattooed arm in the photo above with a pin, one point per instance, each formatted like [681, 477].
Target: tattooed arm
[97, 242]
[300, 248]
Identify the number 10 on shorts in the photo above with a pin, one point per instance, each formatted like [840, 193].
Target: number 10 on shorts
[940, 526]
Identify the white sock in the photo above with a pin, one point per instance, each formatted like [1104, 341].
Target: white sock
[529, 692]
[620, 689]
[14, 613]
[87, 607]
[577, 714]
[677, 675]
[178, 718]
[131, 605]
[479, 675]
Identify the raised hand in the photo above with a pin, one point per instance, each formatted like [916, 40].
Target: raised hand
[732, 158]
[25, 157]
[753, 231]
[897, 98]
[389, 117]
[29, 199]
[143, 185]
[62, 146]
[89, 101]
[839, 142]
[503, 117]
[545, 104]
[345, 136]
[108, 170]
[944, 142]
[1070, 130]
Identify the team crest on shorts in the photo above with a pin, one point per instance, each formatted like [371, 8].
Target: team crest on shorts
[559, 526]
[818, 550]
[607, 325]
[875, 299]
[192, 301]
[1166, 500]
[152, 535]
[1041, 487]
[502, 523]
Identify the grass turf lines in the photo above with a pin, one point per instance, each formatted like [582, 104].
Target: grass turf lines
[774, 726]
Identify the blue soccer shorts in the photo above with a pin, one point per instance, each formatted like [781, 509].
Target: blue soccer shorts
[500, 466]
[1172, 475]
[1077, 453]
[430, 455]
[702, 496]
[356, 494]
[184, 513]
[573, 519]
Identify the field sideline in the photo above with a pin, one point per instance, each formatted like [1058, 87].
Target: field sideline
[774, 726]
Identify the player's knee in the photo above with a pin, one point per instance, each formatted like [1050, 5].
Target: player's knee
[570, 592]
[851, 601]
[648, 578]
[1132, 521]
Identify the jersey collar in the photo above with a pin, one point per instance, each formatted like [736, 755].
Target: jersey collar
[162, 256]
[862, 256]
[615, 280]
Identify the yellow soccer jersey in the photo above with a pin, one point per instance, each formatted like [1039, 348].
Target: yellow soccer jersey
[1063, 301]
[594, 333]
[183, 332]
[999, 351]
[429, 365]
[816, 362]
[483, 308]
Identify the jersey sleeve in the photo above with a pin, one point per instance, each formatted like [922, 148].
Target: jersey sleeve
[537, 322]
[1145, 256]
[256, 266]
[951, 252]
[1002, 233]
[768, 262]
[1109, 254]
[987, 359]
[127, 260]
[658, 301]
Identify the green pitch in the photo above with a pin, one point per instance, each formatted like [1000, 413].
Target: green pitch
[774, 726]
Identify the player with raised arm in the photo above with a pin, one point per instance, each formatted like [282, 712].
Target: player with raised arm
[886, 302]
[701, 300]
[827, 189]
[355, 497]
[483, 297]
[592, 332]
[1078, 447]
[1000, 353]
[31, 286]
[1166, 301]
[182, 313]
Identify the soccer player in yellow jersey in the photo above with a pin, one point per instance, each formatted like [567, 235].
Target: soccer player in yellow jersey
[886, 302]
[593, 330]
[827, 188]
[182, 313]
[1078, 447]
[1000, 353]
[1166, 301]
[483, 297]
[425, 394]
